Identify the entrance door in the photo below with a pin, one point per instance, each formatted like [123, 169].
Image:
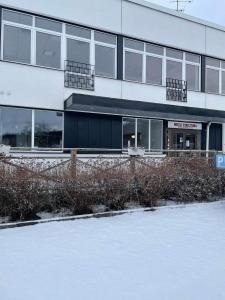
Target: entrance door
[184, 139]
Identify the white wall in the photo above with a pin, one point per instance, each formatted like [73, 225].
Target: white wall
[151, 25]
[104, 14]
[22, 85]
[38, 87]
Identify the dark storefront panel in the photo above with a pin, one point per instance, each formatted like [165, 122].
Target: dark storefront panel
[84, 130]
[215, 137]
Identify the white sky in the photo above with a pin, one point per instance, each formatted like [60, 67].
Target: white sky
[211, 10]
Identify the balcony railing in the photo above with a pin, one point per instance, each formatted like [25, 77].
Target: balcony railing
[79, 75]
[176, 90]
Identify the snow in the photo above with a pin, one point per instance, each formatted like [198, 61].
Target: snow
[169, 254]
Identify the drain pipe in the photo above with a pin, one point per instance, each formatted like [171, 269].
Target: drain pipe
[207, 138]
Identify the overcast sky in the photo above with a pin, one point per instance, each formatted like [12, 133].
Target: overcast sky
[211, 10]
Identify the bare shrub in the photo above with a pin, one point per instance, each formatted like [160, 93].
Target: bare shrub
[28, 189]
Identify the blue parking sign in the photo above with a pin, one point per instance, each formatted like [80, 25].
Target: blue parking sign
[220, 161]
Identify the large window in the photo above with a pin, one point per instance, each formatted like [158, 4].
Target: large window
[78, 51]
[48, 129]
[48, 50]
[40, 41]
[129, 132]
[15, 127]
[17, 44]
[212, 76]
[133, 66]
[105, 54]
[193, 67]
[143, 133]
[30, 128]
[215, 77]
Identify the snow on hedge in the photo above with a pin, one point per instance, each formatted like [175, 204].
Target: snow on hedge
[169, 254]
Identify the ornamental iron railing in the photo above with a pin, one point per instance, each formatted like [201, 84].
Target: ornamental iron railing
[176, 90]
[79, 75]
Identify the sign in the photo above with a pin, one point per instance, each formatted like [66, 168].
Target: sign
[220, 161]
[183, 125]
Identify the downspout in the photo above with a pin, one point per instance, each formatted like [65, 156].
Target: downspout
[207, 138]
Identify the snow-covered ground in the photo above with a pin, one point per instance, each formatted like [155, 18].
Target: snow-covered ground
[170, 254]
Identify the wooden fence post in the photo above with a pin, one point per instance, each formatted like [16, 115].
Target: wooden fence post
[73, 164]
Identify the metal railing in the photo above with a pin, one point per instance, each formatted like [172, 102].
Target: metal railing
[176, 90]
[79, 75]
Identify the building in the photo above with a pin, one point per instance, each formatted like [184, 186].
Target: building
[110, 74]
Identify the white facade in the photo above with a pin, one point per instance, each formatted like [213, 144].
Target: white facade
[32, 86]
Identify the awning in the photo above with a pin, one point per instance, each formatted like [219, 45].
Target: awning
[113, 106]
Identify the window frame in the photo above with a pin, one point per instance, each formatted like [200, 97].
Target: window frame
[220, 69]
[104, 44]
[149, 133]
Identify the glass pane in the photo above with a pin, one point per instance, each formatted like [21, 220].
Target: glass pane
[143, 133]
[48, 24]
[128, 132]
[174, 53]
[17, 17]
[104, 61]
[156, 135]
[223, 83]
[193, 58]
[105, 38]
[78, 31]
[173, 69]
[16, 127]
[48, 129]
[78, 51]
[212, 81]
[48, 50]
[222, 64]
[192, 77]
[212, 62]
[133, 66]
[17, 44]
[153, 70]
[134, 44]
[154, 49]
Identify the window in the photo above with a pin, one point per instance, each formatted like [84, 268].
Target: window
[213, 75]
[48, 129]
[17, 44]
[78, 51]
[106, 66]
[156, 135]
[133, 66]
[223, 82]
[192, 77]
[193, 65]
[174, 53]
[105, 54]
[212, 80]
[15, 127]
[48, 50]
[129, 135]
[153, 70]
[16, 17]
[174, 69]
[132, 44]
[154, 49]
[78, 31]
[105, 38]
[48, 24]
[143, 133]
